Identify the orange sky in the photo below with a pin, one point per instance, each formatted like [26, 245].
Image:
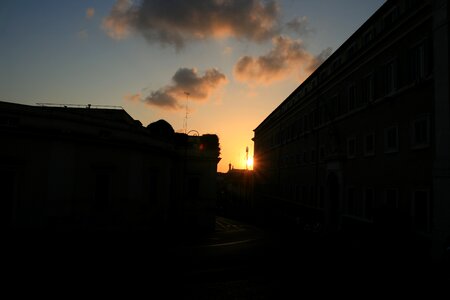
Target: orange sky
[238, 60]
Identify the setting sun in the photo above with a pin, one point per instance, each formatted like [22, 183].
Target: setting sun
[250, 163]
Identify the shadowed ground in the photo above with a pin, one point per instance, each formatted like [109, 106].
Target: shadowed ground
[236, 261]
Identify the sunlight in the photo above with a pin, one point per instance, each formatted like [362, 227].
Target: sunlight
[250, 163]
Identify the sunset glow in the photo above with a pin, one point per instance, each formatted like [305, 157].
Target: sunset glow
[250, 163]
[237, 62]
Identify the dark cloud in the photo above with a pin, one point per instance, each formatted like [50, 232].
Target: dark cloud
[90, 12]
[287, 55]
[184, 81]
[300, 25]
[177, 21]
[319, 59]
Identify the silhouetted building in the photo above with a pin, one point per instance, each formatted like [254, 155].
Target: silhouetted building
[235, 194]
[76, 168]
[364, 142]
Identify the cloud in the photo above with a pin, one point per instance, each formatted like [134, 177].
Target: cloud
[178, 21]
[184, 81]
[286, 55]
[90, 12]
[133, 97]
[300, 25]
[319, 59]
[117, 23]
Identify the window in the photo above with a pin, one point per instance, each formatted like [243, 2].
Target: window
[420, 132]
[369, 200]
[392, 198]
[390, 18]
[391, 140]
[304, 199]
[321, 196]
[367, 89]
[368, 37]
[351, 147]
[351, 97]
[353, 203]
[313, 155]
[320, 115]
[334, 107]
[421, 210]
[300, 126]
[322, 153]
[369, 144]
[417, 62]
[389, 77]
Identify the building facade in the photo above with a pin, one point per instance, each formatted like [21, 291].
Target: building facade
[365, 140]
[71, 168]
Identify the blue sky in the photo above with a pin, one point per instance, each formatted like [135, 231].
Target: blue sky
[62, 52]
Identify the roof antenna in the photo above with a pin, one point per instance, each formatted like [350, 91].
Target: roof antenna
[186, 116]
[246, 158]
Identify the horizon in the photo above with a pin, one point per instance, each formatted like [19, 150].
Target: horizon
[236, 72]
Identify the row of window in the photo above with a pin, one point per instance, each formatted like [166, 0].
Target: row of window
[361, 203]
[419, 138]
[304, 194]
[377, 84]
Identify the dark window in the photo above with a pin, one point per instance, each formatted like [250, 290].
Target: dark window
[352, 205]
[389, 77]
[369, 197]
[392, 198]
[304, 199]
[334, 107]
[322, 153]
[390, 18]
[321, 196]
[417, 62]
[367, 89]
[369, 144]
[368, 37]
[351, 98]
[351, 147]
[313, 155]
[421, 132]
[391, 139]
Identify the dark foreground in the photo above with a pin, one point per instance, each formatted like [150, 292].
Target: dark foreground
[237, 261]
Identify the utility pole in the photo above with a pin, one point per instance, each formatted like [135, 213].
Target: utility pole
[186, 116]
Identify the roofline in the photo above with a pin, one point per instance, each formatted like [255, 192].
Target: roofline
[337, 52]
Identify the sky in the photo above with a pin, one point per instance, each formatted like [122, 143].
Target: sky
[227, 63]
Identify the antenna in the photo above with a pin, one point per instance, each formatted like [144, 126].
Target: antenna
[246, 158]
[186, 116]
